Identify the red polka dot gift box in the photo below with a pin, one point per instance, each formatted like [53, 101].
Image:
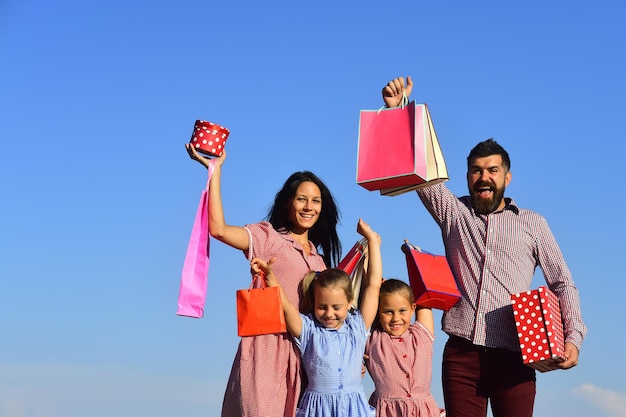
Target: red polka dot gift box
[209, 138]
[539, 328]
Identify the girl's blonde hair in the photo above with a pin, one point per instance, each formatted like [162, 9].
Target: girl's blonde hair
[329, 278]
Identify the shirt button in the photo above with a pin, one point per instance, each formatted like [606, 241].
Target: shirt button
[408, 376]
[341, 386]
[408, 395]
[404, 356]
[339, 369]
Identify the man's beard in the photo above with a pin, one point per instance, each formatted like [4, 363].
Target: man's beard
[483, 205]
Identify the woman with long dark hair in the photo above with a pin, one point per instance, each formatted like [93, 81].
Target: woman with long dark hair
[265, 379]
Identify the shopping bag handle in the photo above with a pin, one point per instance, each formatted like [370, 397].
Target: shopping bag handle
[407, 247]
[403, 102]
[256, 278]
[210, 169]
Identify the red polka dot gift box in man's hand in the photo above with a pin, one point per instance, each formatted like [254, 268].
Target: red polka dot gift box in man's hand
[209, 138]
[539, 328]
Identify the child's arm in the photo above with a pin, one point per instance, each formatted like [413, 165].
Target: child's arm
[292, 315]
[374, 275]
[425, 316]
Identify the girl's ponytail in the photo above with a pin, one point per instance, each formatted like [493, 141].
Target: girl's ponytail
[308, 291]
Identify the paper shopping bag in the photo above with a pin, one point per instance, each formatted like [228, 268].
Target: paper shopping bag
[398, 150]
[353, 264]
[539, 328]
[194, 278]
[430, 278]
[260, 310]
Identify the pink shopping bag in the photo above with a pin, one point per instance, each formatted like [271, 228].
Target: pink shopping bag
[398, 150]
[193, 283]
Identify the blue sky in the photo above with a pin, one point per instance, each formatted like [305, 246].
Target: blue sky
[98, 195]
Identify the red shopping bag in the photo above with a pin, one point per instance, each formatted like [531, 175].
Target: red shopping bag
[353, 264]
[260, 310]
[398, 150]
[430, 278]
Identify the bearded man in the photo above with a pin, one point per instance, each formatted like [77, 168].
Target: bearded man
[493, 248]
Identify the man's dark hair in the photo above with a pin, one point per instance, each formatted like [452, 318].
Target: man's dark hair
[487, 148]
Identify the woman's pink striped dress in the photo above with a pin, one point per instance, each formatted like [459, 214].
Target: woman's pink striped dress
[265, 379]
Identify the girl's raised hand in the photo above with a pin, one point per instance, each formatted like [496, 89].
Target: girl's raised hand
[259, 266]
[366, 231]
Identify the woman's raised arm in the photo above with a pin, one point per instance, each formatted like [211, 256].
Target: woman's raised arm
[235, 236]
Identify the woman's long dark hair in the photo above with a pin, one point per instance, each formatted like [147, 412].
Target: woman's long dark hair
[323, 234]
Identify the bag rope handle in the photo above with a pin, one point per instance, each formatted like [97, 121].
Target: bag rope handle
[255, 278]
[417, 248]
[210, 170]
[403, 102]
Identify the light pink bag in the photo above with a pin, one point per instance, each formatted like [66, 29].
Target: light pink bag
[193, 283]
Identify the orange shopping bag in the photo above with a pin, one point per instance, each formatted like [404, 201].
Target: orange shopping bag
[260, 310]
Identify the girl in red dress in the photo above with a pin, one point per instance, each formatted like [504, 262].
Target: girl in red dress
[399, 355]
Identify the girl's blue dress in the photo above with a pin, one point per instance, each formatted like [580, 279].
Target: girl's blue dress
[333, 361]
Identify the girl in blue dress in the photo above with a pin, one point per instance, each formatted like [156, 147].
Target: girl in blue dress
[331, 337]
